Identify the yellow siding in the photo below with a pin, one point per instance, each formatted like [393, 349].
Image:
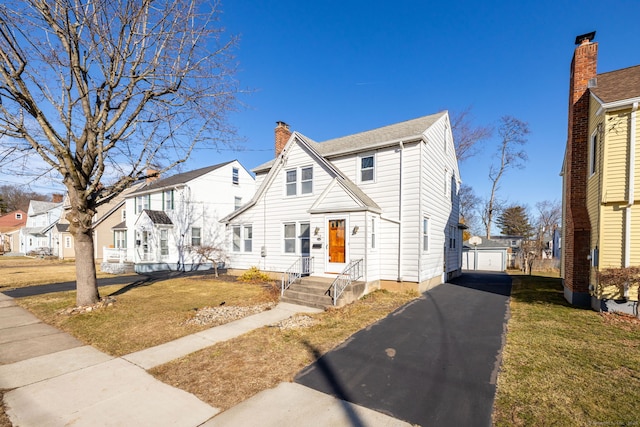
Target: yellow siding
[612, 237]
[616, 136]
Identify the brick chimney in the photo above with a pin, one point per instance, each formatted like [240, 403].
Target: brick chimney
[282, 136]
[56, 198]
[152, 175]
[577, 242]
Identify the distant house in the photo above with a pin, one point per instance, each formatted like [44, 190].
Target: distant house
[556, 243]
[168, 219]
[107, 216]
[379, 207]
[38, 235]
[487, 255]
[601, 207]
[514, 245]
[10, 225]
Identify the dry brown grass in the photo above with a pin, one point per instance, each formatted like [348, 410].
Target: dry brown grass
[20, 272]
[144, 316]
[232, 371]
[564, 366]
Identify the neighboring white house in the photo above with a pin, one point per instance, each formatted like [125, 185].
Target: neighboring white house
[39, 234]
[384, 200]
[167, 218]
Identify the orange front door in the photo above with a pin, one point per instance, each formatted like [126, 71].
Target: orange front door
[336, 241]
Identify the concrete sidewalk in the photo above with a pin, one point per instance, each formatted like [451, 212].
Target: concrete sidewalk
[55, 380]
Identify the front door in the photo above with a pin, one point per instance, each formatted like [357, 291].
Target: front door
[337, 249]
[305, 247]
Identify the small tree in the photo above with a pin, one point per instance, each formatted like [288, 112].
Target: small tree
[212, 253]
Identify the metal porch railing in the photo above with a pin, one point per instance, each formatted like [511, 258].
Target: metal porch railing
[302, 266]
[351, 273]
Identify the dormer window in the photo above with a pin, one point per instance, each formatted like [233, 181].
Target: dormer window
[18, 216]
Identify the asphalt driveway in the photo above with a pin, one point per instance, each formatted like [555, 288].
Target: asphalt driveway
[434, 362]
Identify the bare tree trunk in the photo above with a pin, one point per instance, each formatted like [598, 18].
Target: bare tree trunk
[86, 282]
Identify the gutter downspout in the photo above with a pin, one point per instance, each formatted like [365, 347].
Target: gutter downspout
[420, 213]
[631, 186]
[401, 144]
[366, 248]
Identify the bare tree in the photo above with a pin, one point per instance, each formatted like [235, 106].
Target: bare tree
[466, 136]
[17, 198]
[512, 134]
[104, 90]
[470, 204]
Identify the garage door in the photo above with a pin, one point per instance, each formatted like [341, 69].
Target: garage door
[490, 261]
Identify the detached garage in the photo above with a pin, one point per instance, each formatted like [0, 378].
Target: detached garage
[485, 255]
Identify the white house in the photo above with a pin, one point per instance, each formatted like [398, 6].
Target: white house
[380, 207]
[38, 235]
[167, 218]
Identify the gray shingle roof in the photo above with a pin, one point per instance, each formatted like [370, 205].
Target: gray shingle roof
[618, 85]
[158, 217]
[39, 207]
[408, 131]
[181, 178]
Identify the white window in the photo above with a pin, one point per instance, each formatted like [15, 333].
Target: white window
[237, 230]
[290, 238]
[237, 202]
[167, 196]
[593, 153]
[18, 216]
[425, 233]
[164, 242]
[235, 176]
[367, 168]
[292, 182]
[123, 214]
[142, 203]
[248, 238]
[306, 180]
[373, 233]
[67, 242]
[196, 238]
[120, 239]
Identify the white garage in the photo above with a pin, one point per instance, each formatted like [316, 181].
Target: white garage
[485, 256]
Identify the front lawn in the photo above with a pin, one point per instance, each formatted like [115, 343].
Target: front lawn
[20, 272]
[565, 366]
[147, 315]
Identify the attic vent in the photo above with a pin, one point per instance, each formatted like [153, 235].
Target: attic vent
[592, 83]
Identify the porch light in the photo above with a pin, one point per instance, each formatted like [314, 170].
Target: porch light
[355, 229]
[316, 231]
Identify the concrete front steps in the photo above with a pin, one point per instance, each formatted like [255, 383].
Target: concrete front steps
[313, 291]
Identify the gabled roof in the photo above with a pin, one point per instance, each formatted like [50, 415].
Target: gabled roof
[121, 226]
[158, 217]
[410, 130]
[9, 220]
[618, 85]
[178, 179]
[38, 207]
[62, 228]
[486, 244]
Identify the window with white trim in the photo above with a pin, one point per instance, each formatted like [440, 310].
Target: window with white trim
[237, 233]
[123, 214]
[143, 202]
[292, 181]
[196, 237]
[120, 239]
[373, 233]
[235, 176]
[248, 238]
[237, 202]
[18, 216]
[290, 238]
[306, 180]
[425, 233]
[164, 242]
[367, 168]
[67, 242]
[167, 198]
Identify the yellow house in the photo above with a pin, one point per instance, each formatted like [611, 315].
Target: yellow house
[601, 178]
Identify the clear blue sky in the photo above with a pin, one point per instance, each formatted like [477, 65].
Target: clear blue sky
[333, 68]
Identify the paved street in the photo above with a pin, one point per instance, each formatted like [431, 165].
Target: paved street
[433, 363]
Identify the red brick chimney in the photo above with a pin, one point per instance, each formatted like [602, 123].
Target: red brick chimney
[152, 175]
[282, 136]
[56, 198]
[577, 242]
